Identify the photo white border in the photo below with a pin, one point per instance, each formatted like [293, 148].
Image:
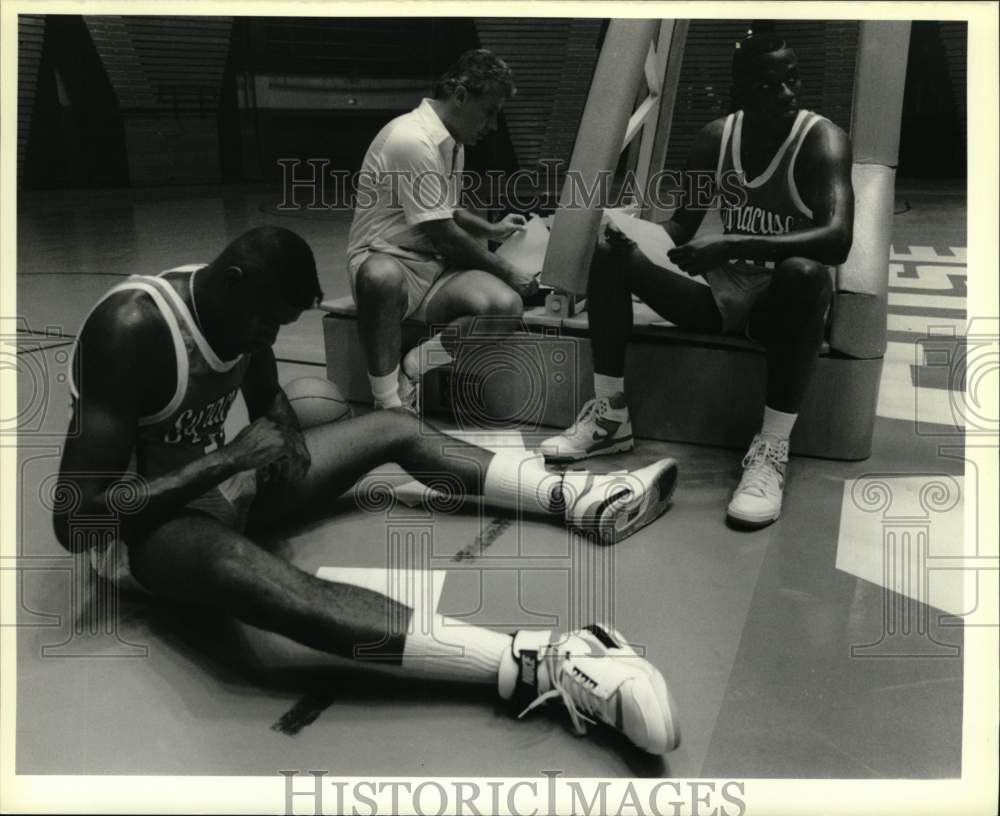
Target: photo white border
[974, 793]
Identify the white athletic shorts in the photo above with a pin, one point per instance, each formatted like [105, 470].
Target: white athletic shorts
[423, 279]
[736, 288]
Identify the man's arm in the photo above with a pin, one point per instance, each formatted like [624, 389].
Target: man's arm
[699, 184]
[265, 398]
[463, 251]
[825, 187]
[697, 191]
[481, 228]
[126, 329]
[428, 200]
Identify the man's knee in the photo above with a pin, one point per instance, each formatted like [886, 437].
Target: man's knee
[226, 560]
[505, 302]
[599, 274]
[396, 427]
[191, 546]
[611, 267]
[379, 280]
[497, 300]
[806, 280]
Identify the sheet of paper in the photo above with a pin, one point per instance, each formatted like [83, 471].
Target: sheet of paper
[526, 249]
[652, 240]
[417, 589]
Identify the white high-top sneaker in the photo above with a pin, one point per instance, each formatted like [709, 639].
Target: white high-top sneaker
[616, 505]
[757, 499]
[602, 427]
[598, 677]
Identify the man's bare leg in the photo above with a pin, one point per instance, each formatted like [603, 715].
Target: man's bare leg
[617, 270]
[380, 289]
[197, 560]
[611, 506]
[790, 319]
[470, 303]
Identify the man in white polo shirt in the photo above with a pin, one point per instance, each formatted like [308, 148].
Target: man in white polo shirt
[413, 250]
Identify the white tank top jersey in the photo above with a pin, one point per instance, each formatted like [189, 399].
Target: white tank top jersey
[771, 204]
[192, 423]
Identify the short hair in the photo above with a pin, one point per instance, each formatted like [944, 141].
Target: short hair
[479, 71]
[749, 50]
[280, 257]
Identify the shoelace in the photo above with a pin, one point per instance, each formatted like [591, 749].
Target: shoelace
[763, 465]
[573, 696]
[591, 408]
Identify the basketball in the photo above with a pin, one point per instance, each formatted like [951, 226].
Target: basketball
[316, 401]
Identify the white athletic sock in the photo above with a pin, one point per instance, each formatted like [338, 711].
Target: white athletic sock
[385, 389]
[778, 423]
[605, 386]
[421, 359]
[518, 480]
[454, 650]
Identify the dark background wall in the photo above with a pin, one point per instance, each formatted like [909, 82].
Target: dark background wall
[160, 100]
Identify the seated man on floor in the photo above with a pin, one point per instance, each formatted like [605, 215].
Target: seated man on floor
[783, 177]
[413, 250]
[152, 425]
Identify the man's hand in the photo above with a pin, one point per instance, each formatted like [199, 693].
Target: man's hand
[508, 226]
[616, 239]
[701, 255]
[295, 467]
[266, 444]
[525, 287]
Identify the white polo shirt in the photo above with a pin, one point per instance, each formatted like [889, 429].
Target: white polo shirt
[410, 174]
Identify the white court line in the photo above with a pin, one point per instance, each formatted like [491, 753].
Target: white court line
[867, 536]
[898, 399]
[927, 325]
[924, 253]
[491, 440]
[931, 276]
[931, 300]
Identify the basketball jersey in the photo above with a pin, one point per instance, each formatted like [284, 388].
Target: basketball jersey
[769, 204]
[191, 424]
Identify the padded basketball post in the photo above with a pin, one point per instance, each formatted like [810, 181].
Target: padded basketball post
[879, 81]
[669, 49]
[599, 142]
[858, 328]
[657, 134]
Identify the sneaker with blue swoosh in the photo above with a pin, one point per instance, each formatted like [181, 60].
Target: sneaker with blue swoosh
[613, 506]
[602, 427]
[598, 677]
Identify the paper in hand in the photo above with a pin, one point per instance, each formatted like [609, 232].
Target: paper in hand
[653, 241]
[526, 249]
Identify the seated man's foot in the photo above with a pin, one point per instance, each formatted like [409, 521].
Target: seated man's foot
[757, 500]
[616, 505]
[409, 391]
[598, 677]
[602, 427]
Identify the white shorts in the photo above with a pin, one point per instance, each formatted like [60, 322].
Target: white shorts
[228, 502]
[736, 288]
[423, 279]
